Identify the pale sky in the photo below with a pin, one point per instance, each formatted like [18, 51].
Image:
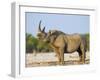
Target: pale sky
[63, 22]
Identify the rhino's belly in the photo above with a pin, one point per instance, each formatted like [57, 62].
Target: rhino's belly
[71, 49]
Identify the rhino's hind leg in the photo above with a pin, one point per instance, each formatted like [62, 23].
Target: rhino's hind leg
[82, 52]
[81, 55]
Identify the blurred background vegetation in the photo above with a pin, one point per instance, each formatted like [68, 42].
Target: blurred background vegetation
[88, 41]
[34, 45]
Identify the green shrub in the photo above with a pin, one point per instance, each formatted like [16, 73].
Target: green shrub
[88, 41]
[33, 43]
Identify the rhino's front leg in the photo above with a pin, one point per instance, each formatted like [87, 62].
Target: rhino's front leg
[56, 50]
[58, 55]
[61, 50]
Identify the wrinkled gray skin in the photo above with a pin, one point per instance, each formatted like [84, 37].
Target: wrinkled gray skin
[64, 43]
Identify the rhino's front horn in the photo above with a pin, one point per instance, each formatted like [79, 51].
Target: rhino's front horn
[39, 26]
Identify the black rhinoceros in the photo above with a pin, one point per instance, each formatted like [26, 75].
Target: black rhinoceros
[64, 43]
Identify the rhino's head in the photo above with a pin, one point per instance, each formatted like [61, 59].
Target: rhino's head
[41, 32]
[50, 36]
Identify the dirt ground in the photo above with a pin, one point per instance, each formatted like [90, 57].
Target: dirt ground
[50, 59]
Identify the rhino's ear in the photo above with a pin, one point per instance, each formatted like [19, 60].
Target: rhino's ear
[50, 32]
